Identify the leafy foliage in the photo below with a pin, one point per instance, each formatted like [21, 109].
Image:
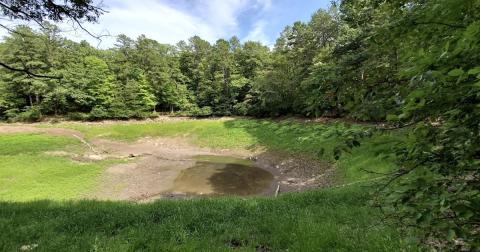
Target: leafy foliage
[410, 63]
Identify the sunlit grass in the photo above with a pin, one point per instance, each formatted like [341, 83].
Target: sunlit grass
[15, 144]
[34, 177]
[28, 173]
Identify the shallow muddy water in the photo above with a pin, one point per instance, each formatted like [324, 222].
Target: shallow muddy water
[220, 175]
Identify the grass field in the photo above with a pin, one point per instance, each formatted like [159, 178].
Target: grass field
[27, 173]
[321, 220]
[333, 220]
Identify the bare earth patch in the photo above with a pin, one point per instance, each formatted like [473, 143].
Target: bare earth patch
[154, 165]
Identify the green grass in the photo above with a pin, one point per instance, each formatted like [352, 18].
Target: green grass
[321, 220]
[211, 133]
[332, 220]
[13, 144]
[241, 134]
[27, 173]
[375, 155]
[33, 177]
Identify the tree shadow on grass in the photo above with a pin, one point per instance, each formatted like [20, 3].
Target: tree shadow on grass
[193, 224]
[318, 141]
[307, 139]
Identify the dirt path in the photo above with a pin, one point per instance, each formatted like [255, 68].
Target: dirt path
[155, 163]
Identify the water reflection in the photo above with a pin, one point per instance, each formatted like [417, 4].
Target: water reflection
[219, 175]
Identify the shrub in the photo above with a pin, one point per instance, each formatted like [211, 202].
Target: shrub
[195, 111]
[204, 111]
[78, 116]
[31, 114]
[98, 113]
[10, 114]
[241, 109]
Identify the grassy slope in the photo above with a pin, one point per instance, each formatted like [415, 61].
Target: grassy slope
[335, 219]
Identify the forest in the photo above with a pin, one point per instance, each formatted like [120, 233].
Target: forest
[402, 65]
[359, 59]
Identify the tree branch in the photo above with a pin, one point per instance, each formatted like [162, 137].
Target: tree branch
[377, 173]
[28, 72]
[457, 26]
[402, 172]
[25, 17]
[75, 11]
[403, 125]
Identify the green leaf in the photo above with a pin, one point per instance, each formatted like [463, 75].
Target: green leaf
[455, 72]
[451, 234]
[474, 71]
[467, 214]
[404, 115]
[392, 118]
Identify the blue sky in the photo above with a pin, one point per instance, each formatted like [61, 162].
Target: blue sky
[169, 21]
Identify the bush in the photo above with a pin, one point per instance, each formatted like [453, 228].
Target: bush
[10, 114]
[120, 111]
[241, 109]
[195, 111]
[31, 114]
[78, 116]
[204, 111]
[98, 113]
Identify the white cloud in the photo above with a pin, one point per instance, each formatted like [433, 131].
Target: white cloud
[156, 20]
[263, 5]
[258, 33]
[222, 15]
[169, 21]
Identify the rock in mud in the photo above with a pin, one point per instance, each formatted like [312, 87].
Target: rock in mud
[95, 157]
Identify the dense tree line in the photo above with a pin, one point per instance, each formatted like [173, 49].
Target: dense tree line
[333, 65]
[413, 63]
[139, 77]
[134, 79]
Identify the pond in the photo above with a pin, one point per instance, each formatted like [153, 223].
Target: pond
[220, 175]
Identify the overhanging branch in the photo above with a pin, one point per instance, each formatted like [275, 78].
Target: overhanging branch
[28, 72]
[457, 26]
